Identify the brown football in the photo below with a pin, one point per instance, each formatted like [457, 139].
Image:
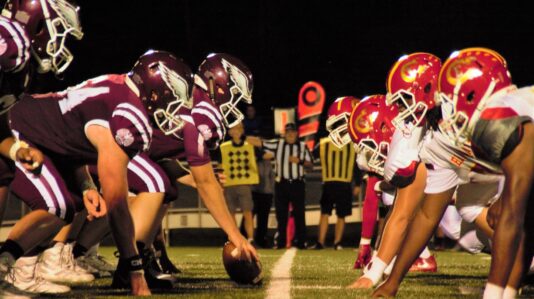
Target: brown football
[241, 271]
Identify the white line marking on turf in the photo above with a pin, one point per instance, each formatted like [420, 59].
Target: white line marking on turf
[317, 287]
[280, 285]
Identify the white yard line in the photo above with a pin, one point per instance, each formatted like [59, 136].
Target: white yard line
[317, 287]
[280, 285]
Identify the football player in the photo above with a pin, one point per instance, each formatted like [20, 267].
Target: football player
[450, 163]
[100, 121]
[411, 83]
[32, 40]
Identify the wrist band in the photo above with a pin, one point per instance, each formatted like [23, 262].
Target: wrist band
[134, 264]
[88, 185]
[15, 148]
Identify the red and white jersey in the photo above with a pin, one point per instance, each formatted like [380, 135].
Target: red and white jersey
[403, 157]
[449, 166]
[57, 122]
[208, 119]
[498, 130]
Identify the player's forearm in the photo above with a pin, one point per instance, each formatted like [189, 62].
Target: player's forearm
[213, 197]
[84, 179]
[5, 146]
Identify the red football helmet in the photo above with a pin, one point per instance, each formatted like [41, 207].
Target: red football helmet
[228, 81]
[371, 130]
[47, 24]
[338, 118]
[165, 84]
[412, 84]
[468, 78]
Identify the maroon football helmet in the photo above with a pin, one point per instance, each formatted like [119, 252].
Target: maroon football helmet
[165, 84]
[228, 81]
[47, 24]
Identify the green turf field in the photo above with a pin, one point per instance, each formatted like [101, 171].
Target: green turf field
[315, 274]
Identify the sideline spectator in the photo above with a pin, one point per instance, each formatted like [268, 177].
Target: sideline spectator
[262, 195]
[338, 171]
[239, 165]
[291, 156]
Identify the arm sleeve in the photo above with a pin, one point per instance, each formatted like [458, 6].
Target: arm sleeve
[130, 133]
[270, 145]
[14, 46]
[195, 146]
[494, 139]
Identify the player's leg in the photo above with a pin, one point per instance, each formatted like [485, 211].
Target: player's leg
[369, 212]
[406, 204]
[417, 236]
[52, 207]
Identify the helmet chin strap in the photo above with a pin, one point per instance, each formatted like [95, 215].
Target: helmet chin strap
[481, 105]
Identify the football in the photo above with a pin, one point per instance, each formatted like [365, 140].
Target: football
[241, 271]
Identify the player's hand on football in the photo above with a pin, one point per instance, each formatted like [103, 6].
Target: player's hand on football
[244, 249]
[294, 159]
[31, 158]
[95, 204]
[362, 283]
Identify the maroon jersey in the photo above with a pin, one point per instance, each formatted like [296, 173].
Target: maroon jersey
[57, 122]
[192, 146]
[207, 118]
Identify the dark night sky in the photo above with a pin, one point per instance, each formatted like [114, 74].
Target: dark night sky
[348, 46]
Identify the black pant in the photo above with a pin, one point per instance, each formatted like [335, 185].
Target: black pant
[262, 208]
[290, 192]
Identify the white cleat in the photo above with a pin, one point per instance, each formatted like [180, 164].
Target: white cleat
[57, 265]
[23, 276]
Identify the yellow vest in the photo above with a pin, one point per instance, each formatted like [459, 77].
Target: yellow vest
[239, 164]
[337, 163]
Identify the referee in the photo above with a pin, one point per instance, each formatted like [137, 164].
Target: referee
[291, 157]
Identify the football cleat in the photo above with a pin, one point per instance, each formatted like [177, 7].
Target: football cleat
[364, 256]
[95, 265]
[57, 267]
[24, 277]
[424, 265]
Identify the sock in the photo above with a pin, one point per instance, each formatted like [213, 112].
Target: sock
[36, 251]
[78, 250]
[388, 269]
[377, 268]
[365, 241]
[493, 291]
[11, 250]
[370, 209]
[425, 254]
[509, 293]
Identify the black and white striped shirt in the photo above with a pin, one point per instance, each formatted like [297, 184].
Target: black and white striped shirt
[282, 151]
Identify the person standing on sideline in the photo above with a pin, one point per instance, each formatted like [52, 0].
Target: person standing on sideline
[262, 195]
[239, 165]
[338, 172]
[291, 156]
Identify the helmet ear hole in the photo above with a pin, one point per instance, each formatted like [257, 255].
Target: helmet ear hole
[470, 96]
[40, 27]
[427, 88]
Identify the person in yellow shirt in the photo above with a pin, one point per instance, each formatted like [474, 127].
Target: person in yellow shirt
[239, 165]
[338, 172]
